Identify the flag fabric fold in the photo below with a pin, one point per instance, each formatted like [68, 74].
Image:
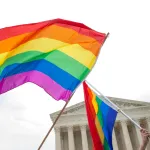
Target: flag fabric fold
[56, 55]
[101, 119]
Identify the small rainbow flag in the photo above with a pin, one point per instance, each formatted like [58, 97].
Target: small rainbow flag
[56, 55]
[101, 119]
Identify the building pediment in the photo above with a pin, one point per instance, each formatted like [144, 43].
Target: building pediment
[121, 103]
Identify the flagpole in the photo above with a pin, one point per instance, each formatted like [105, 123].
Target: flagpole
[114, 105]
[53, 124]
[66, 103]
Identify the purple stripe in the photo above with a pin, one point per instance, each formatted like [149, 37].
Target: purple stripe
[38, 78]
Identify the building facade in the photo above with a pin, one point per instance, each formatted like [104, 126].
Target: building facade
[72, 132]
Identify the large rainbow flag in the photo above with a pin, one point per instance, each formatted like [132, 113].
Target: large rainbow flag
[56, 55]
[101, 119]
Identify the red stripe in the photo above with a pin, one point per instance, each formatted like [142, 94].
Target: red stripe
[27, 28]
[91, 121]
[100, 37]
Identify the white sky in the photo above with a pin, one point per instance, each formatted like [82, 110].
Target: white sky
[122, 69]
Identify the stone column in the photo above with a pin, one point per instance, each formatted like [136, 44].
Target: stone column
[114, 140]
[127, 141]
[139, 137]
[71, 138]
[148, 128]
[58, 139]
[84, 137]
[148, 123]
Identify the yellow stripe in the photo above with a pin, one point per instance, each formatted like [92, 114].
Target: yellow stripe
[94, 102]
[75, 51]
[3, 57]
[99, 129]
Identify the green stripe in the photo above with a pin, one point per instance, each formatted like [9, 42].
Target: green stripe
[106, 146]
[99, 114]
[56, 57]
[100, 118]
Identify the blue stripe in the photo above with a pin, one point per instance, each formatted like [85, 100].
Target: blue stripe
[63, 78]
[109, 117]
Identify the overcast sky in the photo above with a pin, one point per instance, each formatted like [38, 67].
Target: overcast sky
[122, 69]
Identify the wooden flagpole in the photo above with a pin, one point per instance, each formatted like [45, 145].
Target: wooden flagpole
[53, 124]
[64, 107]
[114, 105]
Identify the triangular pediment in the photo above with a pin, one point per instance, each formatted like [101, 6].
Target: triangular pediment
[79, 108]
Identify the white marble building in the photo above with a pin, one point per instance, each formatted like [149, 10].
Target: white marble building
[72, 131]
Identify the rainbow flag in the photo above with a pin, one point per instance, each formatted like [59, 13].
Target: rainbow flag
[101, 119]
[56, 55]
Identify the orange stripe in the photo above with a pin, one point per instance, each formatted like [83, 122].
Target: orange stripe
[54, 32]
[94, 102]
[13, 42]
[90, 103]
